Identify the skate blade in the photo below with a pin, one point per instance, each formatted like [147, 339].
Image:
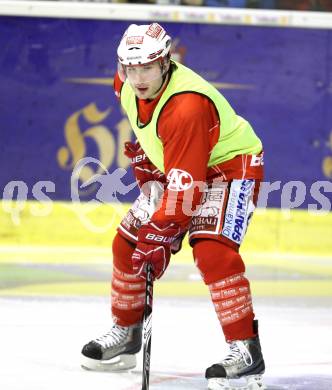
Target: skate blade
[255, 382]
[117, 364]
[251, 382]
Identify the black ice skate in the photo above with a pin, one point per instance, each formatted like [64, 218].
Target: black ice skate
[245, 361]
[114, 351]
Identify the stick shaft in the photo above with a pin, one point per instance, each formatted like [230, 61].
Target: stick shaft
[147, 328]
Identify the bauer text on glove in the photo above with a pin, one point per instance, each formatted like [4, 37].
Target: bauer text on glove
[143, 168]
[154, 247]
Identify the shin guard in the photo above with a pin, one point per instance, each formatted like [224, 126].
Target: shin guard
[222, 269]
[128, 290]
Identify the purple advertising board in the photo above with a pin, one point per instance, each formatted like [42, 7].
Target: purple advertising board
[57, 103]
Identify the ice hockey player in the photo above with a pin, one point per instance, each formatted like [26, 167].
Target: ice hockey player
[199, 166]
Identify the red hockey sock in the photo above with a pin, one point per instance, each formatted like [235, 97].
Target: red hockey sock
[232, 301]
[222, 269]
[128, 290]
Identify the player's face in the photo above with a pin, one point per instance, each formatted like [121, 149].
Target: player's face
[145, 80]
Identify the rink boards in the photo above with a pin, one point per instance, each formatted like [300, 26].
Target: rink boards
[285, 255]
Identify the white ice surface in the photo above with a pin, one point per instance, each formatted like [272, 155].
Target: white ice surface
[41, 340]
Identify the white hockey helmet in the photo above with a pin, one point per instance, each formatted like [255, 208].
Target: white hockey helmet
[141, 45]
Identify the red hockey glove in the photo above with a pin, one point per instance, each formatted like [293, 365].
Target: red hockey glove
[154, 247]
[144, 170]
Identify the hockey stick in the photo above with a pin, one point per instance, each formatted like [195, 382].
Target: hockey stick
[147, 328]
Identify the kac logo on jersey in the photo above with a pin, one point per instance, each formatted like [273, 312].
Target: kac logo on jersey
[179, 180]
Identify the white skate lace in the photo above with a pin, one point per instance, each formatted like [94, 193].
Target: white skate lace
[238, 352]
[113, 337]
